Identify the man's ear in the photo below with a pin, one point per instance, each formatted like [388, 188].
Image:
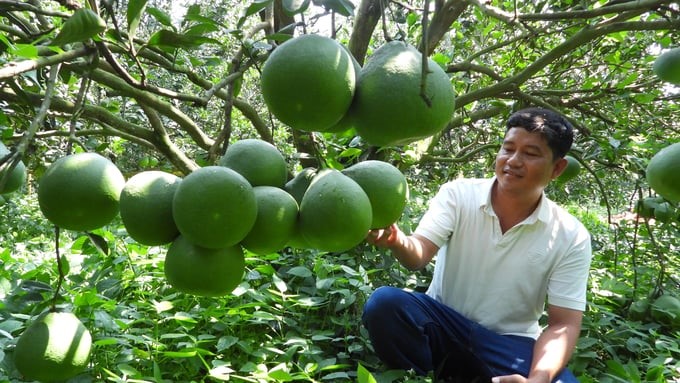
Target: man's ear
[559, 166]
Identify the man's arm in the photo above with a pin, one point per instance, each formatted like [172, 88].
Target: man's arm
[553, 347]
[412, 251]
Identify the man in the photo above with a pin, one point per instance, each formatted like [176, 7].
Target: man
[503, 248]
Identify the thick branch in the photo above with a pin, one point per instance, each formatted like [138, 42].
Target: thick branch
[165, 145]
[441, 22]
[577, 40]
[144, 97]
[367, 17]
[15, 68]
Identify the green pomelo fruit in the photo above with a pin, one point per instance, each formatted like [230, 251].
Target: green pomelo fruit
[80, 191]
[388, 108]
[277, 213]
[667, 66]
[571, 171]
[55, 347]
[214, 207]
[200, 271]
[146, 207]
[308, 82]
[638, 310]
[662, 172]
[298, 185]
[16, 177]
[335, 213]
[260, 162]
[666, 310]
[647, 205]
[664, 212]
[386, 188]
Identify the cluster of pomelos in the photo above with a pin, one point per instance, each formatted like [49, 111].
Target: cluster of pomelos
[313, 83]
[209, 217]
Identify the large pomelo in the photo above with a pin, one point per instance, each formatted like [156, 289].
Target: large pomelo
[662, 172]
[308, 82]
[55, 347]
[297, 186]
[277, 213]
[17, 176]
[260, 162]
[666, 310]
[146, 207]
[200, 271]
[667, 66]
[388, 108]
[386, 188]
[80, 191]
[214, 207]
[571, 171]
[335, 213]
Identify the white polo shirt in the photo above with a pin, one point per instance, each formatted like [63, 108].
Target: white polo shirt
[501, 280]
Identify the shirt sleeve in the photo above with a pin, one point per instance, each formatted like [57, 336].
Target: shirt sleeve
[438, 222]
[568, 282]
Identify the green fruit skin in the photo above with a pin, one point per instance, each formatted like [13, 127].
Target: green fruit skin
[55, 347]
[260, 162]
[277, 213]
[16, 178]
[571, 171]
[667, 66]
[298, 185]
[386, 188]
[214, 207]
[666, 310]
[388, 108]
[335, 213]
[146, 207]
[662, 174]
[200, 271]
[80, 192]
[308, 82]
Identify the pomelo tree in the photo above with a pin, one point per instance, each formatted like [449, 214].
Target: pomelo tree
[166, 85]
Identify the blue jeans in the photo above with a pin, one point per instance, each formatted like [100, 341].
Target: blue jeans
[413, 331]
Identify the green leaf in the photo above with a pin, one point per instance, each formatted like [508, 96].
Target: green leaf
[293, 7]
[252, 9]
[170, 39]
[364, 376]
[135, 9]
[82, 25]
[161, 16]
[343, 7]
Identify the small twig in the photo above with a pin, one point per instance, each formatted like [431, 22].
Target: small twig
[383, 17]
[60, 270]
[424, 59]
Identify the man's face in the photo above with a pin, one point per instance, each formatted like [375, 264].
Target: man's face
[524, 164]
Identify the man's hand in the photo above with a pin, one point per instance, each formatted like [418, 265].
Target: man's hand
[386, 237]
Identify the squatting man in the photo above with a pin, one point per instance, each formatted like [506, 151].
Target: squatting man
[502, 247]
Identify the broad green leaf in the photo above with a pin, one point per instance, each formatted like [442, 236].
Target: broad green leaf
[135, 9]
[170, 39]
[28, 51]
[343, 7]
[293, 7]
[82, 25]
[255, 7]
[364, 376]
[160, 16]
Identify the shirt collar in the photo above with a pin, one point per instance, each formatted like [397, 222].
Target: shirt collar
[541, 213]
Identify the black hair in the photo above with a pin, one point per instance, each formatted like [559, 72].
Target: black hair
[558, 132]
